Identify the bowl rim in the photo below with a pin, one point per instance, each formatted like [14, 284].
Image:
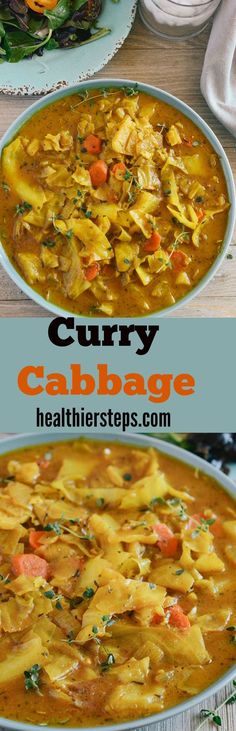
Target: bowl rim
[176, 103]
[11, 443]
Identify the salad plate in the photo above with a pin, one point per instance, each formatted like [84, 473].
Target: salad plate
[61, 67]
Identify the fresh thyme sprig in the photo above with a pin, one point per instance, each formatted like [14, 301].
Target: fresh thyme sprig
[214, 715]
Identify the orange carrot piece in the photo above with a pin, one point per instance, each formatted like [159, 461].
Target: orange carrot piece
[167, 541]
[43, 464]
[92, 271]
[194, 521]
[35, 538]
[217, 528]
[153, 243]
[177, 617]
[98, 173]
[200, 214]
[179, 260]
[157, 619]
[29, 565]
[119, 170]
[188, 141]
[92, 144]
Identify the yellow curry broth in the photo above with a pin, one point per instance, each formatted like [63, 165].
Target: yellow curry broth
[101, 626]
[89, 248]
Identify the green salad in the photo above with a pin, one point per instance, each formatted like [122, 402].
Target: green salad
[28, 27]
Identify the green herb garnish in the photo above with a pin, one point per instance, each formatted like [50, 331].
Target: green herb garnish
[131, 196]
[127, 175]
[213, 716]
[88, 593]
[203, 526]
[100, 502]
[70, 637]
[50, 594]
[75, 601]
[5, 579]
[58, 604]
[55, 527]
[157, 501]
[130, 90]
[108, 662]
[5, 480]
[49, 243]
[32, 677]
[22, 207]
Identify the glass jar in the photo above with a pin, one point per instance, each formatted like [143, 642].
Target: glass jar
[177, 19]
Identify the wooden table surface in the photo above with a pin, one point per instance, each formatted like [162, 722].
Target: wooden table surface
[175, 67]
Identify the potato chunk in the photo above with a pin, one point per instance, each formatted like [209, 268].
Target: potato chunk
[22, 658]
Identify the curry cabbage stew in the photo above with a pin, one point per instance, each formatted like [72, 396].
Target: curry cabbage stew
[117, 585]
[112, 203]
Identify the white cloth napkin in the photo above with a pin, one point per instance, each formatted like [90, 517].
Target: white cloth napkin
[218, 80]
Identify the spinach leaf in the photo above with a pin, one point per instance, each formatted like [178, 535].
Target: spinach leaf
[18, 45]
[59, 14]
[77, 4]
[7, 17]
[52, 44]
[35, 26]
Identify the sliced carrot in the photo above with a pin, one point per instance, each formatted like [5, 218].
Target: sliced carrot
[30, 565]
[119, 170]
[35, 538]
[167, 541]
[179, 260]
[157, 619]
[188, 141]
[217, 528]
[92, 271]
[153, 243]
[200, 214]
[177, 617]
[39, 6]
[98, 173]
[43, 464]
[93, 144]
[194, 521]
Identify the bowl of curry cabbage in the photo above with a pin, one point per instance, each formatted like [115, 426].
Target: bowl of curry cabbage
[176, 104]
[176, 453]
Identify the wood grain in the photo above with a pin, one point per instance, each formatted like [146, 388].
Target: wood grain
[175, 67]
